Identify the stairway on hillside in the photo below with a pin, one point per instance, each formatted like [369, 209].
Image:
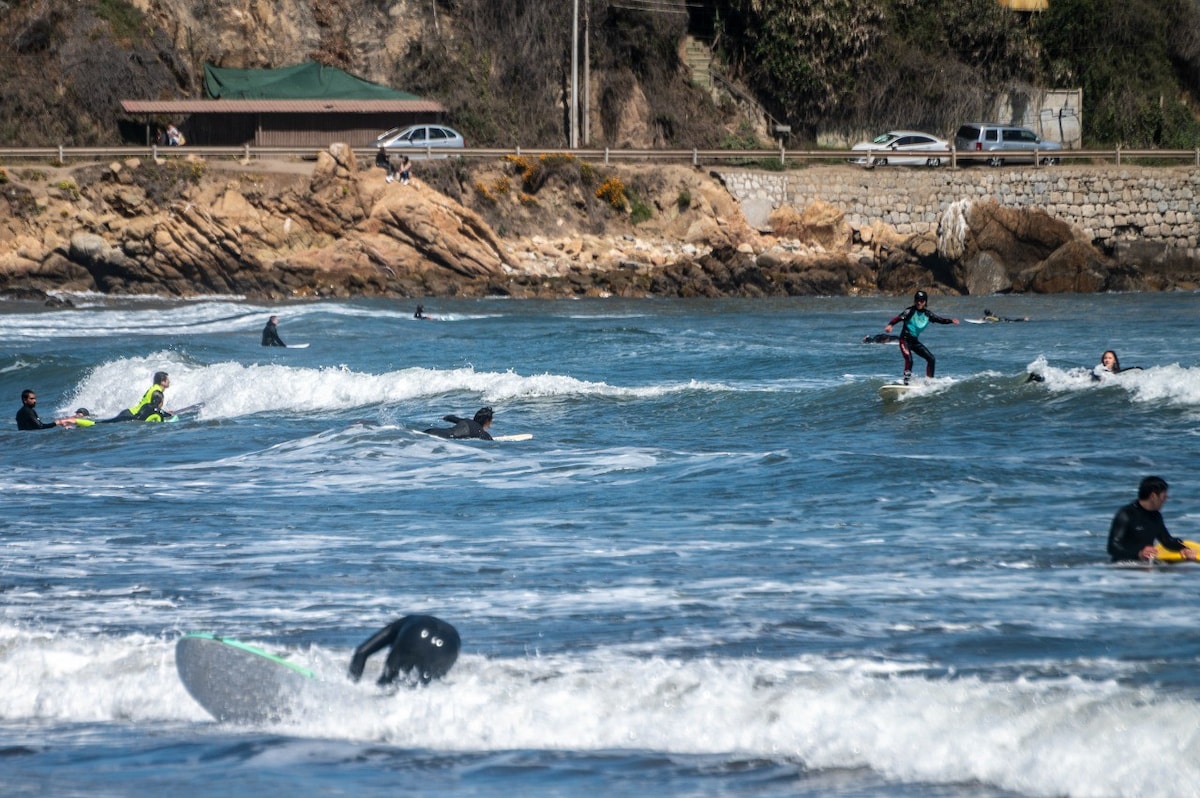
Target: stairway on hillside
[697, 56]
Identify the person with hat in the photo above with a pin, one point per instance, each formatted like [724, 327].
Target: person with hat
[915, 318]
[466, 427]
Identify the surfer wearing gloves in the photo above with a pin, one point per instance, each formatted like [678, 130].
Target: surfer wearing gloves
[421, 643]
[466, 427]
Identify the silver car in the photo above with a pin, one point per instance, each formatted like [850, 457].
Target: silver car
[903, 148]
[420, 137]
[1010, 144]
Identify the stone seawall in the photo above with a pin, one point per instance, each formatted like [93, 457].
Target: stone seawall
[1111, 205]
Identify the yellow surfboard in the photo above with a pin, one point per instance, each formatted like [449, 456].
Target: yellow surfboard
[1165, 555]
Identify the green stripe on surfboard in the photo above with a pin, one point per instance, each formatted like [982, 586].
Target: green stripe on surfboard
[238, 644]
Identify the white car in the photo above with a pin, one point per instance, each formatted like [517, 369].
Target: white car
[419, 137]
[902, 148]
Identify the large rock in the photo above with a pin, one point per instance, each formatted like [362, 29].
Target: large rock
[1021, 248]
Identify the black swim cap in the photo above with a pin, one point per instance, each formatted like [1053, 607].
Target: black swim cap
[83, 411]
[920, 296]
[483, 415]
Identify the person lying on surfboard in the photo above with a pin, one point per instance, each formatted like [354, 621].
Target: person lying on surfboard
[989, 316]
[1138, 524]
[421, 643]
[915, 318]
[150, 407]
[465, 427]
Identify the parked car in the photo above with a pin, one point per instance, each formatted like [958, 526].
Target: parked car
[1010, 144]
[902, 147]
[420, 137]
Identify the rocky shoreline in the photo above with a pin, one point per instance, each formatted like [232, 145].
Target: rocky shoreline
[549, 228]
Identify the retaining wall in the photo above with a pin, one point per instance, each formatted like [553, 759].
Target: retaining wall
[1112, 205]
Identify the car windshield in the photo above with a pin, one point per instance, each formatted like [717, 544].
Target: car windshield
[390, 134]
[884, 139]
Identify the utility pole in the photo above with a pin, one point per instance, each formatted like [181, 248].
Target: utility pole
[575, 77]
[587, 74]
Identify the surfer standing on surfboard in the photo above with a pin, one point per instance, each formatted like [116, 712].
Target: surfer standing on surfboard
[916, 317]
[1138, 524]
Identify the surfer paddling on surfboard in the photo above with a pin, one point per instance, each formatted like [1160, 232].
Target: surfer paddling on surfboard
[150, 407]
[915, 318]
[466, 427]
[423, 648]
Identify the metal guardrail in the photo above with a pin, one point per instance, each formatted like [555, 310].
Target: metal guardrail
[782, 156]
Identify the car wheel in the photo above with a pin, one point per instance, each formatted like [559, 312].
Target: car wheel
[881, 161]
[1051, 161]
[995, 161]
[933, 161]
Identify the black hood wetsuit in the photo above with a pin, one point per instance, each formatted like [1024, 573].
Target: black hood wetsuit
[421, 642]
[270, 336]
[463, 428]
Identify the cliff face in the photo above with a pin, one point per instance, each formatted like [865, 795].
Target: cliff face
[554, 227]
[366, 38]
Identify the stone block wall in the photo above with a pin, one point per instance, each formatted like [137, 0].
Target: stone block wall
[1111, 205]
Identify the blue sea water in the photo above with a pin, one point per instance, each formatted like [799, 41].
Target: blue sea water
[722, 565]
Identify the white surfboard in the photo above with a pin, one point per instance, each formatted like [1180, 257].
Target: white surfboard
[520, 436]
[237, 682]
[894, 390]
[296, 346]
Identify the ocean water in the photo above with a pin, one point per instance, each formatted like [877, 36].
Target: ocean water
[722, 565]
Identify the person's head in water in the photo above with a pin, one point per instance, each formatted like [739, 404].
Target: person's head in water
[483, 416]
[920, 298]
[161, 378]
[1110, 362]
[83, 412]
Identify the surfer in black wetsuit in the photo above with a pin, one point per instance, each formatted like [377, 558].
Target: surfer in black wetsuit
[270, 336]
[914, 319]
[989, 316]
[880, 338]
[466, 427]
[27, 416]
[1138, 524]
[422, 643]
[420, 313]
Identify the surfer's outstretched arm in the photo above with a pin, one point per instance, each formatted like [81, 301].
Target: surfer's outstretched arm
[381, 639]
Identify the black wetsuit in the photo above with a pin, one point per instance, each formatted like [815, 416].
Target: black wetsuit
[27, 418]
[463, 428]
[271, 335]
[1134, 528]
[911, 326]
[421, 642]
[880, 338]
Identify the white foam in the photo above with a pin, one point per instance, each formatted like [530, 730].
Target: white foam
[1062, 736]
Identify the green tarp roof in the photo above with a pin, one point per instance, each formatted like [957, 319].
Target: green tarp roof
[307, 81]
